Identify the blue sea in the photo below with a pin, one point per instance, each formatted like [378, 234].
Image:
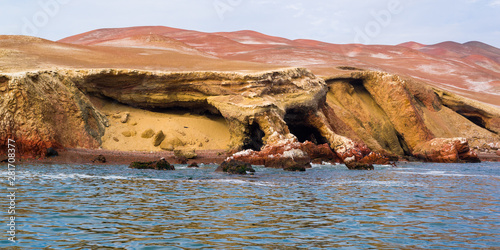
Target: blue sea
[412, 206]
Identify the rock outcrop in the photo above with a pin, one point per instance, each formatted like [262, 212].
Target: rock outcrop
[364, 117]
[396, 117]
[449, 150]
[235, 167]
[41, 110]
[99, 159]
[156, 165]
[254, 105]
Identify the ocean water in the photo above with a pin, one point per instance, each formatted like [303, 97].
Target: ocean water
[413, 206]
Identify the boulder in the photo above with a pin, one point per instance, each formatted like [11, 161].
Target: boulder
[181, 160]
[319, 153]
[149, 133]
[158, 138]
[446, 150]
[157, 165]
[99, 159]
[235, 167]
[286, 154]
[288, 164]
[359, 166]
[375, 158]
[193, 165]
[171, 142]
[185, 153]
[124, 117]
[129, 133]
[51, 152]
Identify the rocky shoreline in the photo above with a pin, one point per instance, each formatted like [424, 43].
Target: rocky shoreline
[87, 157]
[363, 117]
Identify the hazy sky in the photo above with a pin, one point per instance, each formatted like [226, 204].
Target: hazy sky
[335, 21]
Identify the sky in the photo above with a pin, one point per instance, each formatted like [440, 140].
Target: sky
[387, 22]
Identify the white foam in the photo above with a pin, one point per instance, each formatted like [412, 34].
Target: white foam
[81, 176]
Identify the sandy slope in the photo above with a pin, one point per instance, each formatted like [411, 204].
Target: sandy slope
[198, 132]
[21, 53]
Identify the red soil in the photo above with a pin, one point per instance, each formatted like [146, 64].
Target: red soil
[469, 69]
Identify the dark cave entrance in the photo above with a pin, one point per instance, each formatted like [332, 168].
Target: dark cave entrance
[476, 120]
[202, 109]
[254, 139]
[299, 126]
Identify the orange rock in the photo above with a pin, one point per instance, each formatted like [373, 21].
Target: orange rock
[375, 158]
[319, 153]
[445, 150]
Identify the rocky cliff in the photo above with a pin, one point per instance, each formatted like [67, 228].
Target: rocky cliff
[401, 116]
[52, 108]
[40, 110]
[362, 116]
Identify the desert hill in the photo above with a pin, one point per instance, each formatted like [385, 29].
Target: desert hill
[471, 69]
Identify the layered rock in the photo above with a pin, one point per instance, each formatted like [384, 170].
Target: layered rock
[480, 114]
[51, 108]
[43, 110]
[393, 115]
[364, 117]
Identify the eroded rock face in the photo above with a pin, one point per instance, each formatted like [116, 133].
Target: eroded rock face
[43, 110]
[392, 115]
[364, 117]
[242, 99]
[482, 115]
[50, 109]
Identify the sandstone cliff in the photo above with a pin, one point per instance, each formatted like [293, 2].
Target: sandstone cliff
[397, 115]
[52, 109]
[40, 110]
[355, 114]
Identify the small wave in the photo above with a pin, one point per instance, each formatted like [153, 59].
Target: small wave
[377, 183]
[236, 182]
[326, 164]
[82, 176]
[444, 173]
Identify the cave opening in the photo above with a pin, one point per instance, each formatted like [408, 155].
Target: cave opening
[298, 125]
[255, 137]
[202, 109]
[476, 120]
[403, 144]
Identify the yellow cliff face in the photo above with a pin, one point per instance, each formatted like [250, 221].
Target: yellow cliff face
[398, 115]
[133, 110]
[54, 108]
